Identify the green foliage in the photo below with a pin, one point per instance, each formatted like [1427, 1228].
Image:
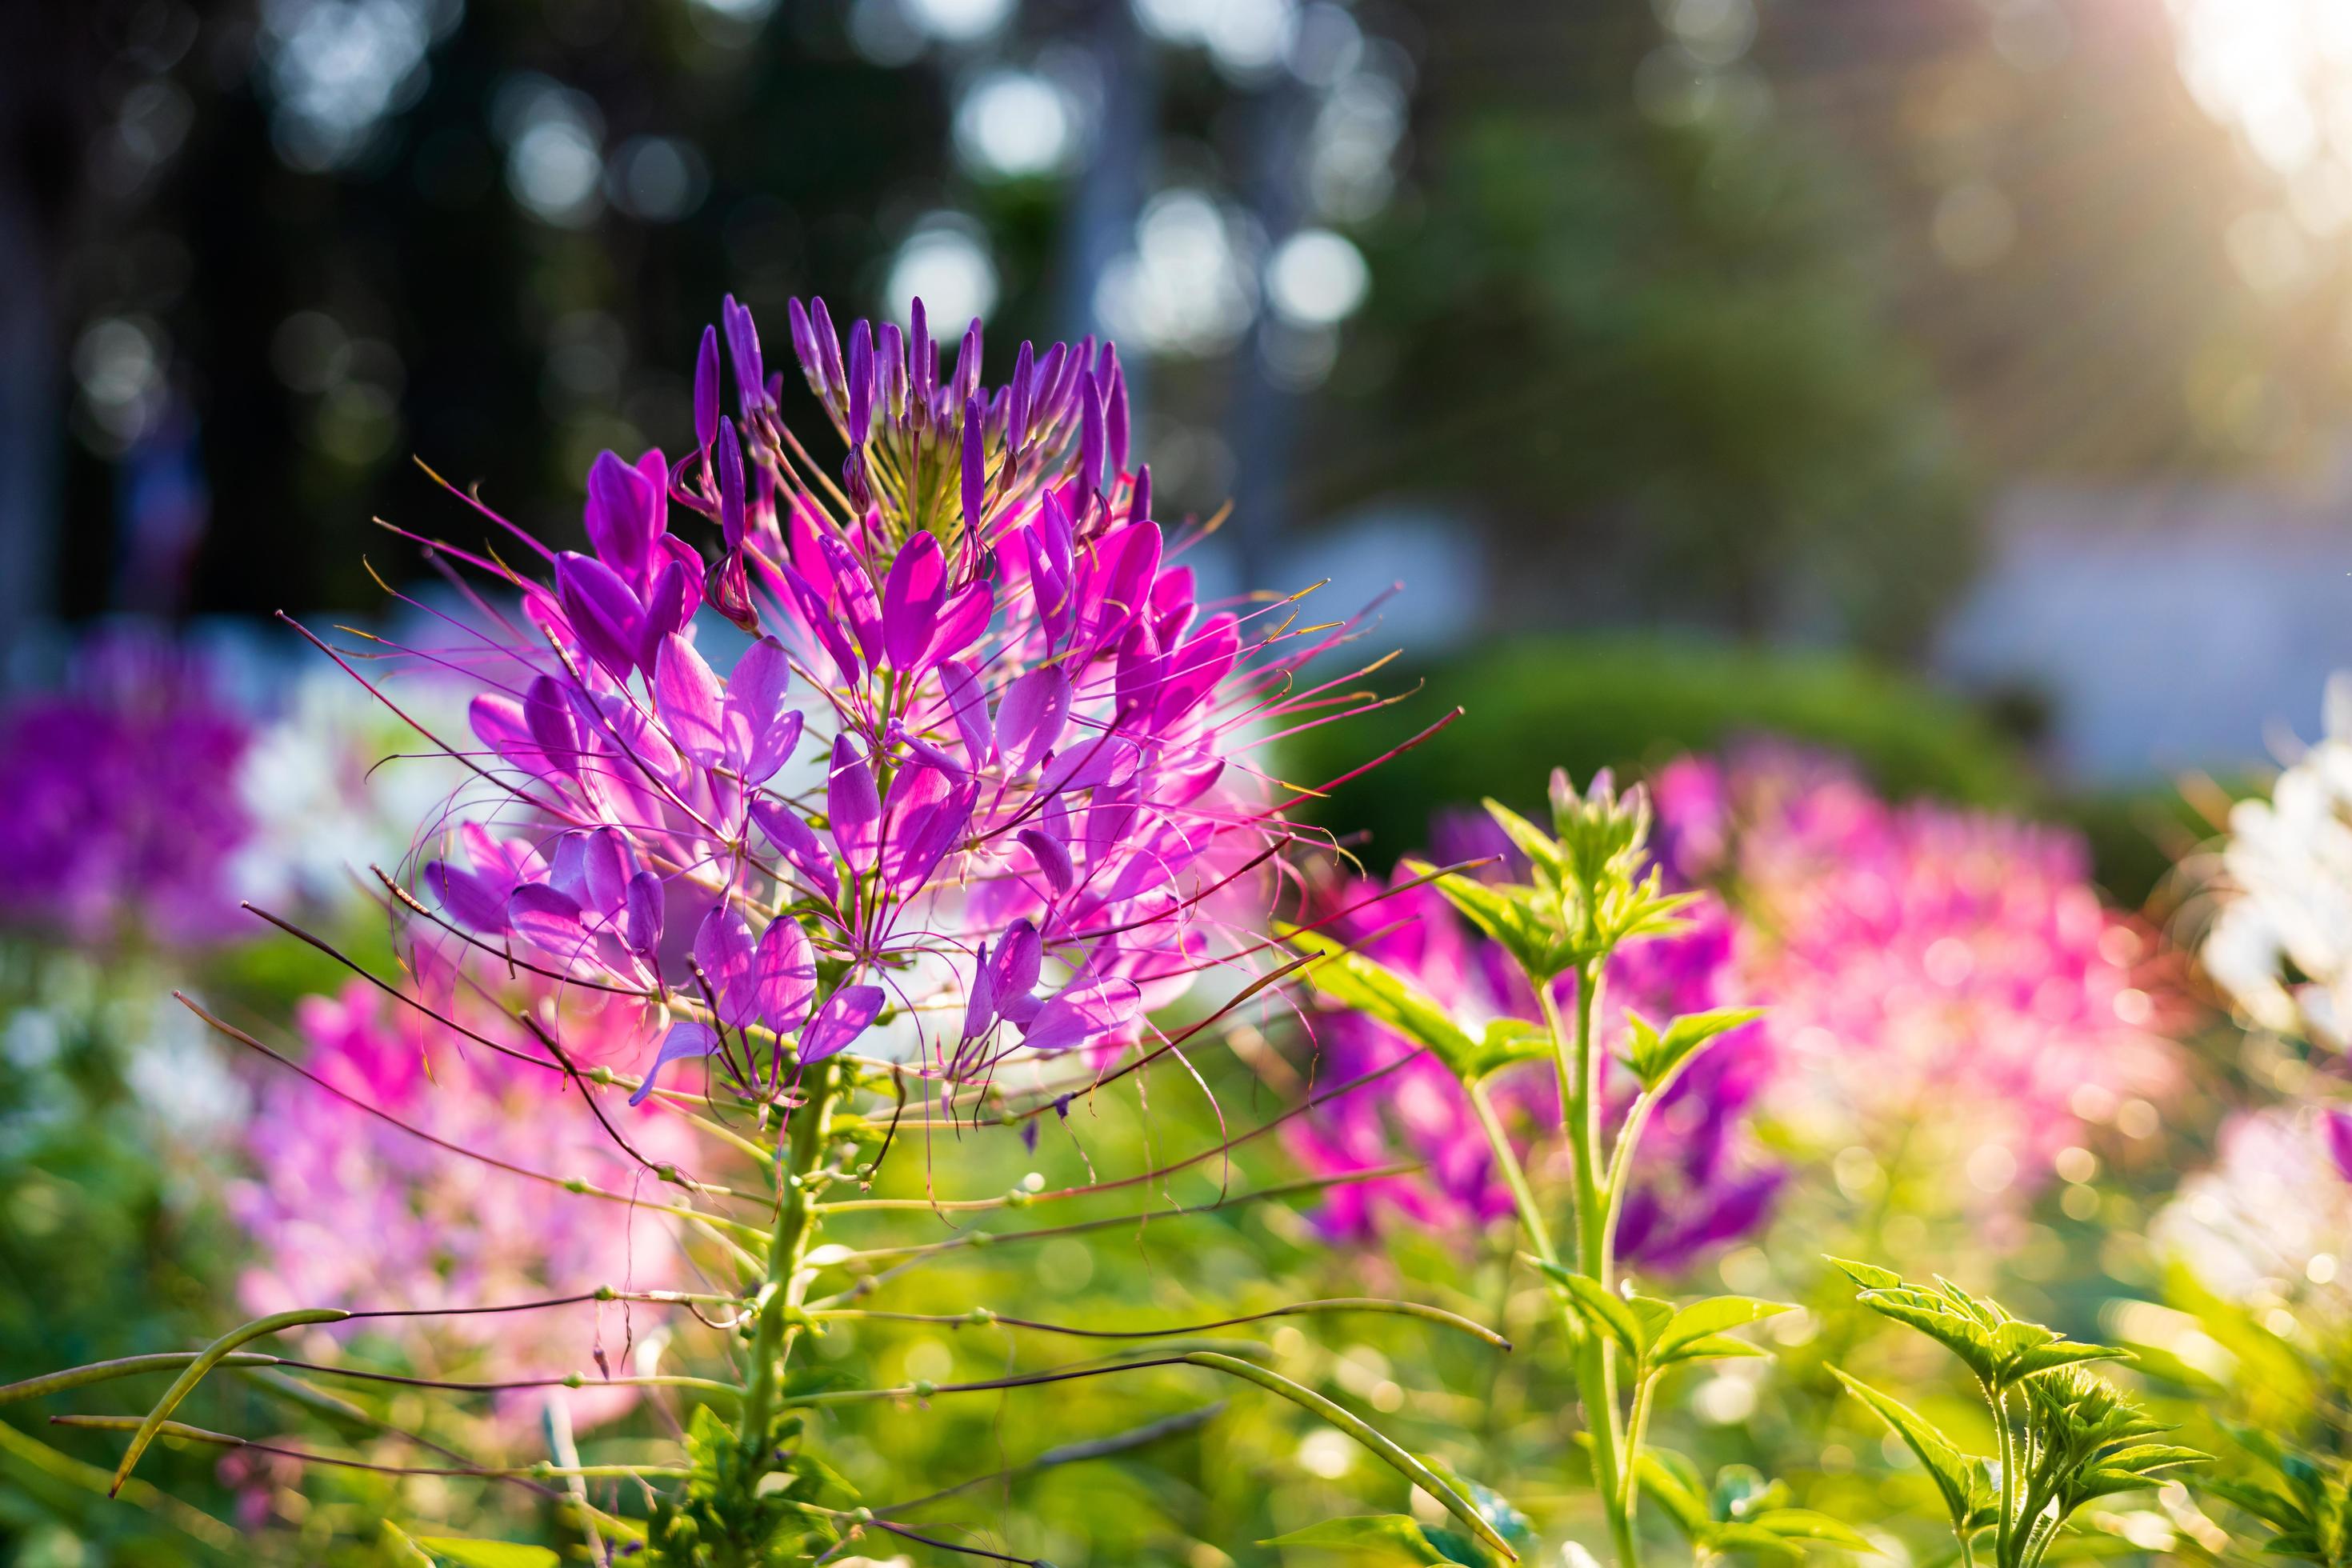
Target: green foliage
[1655, 1335]
[2001, 1350]
[1361, 984]
[1655, 1055]
[2304, 1499]
[1742, 1512]
[1386, 1537]
[2075, 1437]
[734, 1508]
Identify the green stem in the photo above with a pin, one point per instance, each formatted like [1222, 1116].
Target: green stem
[796, 1223]
[1515, 1176]
[1630, 1488]
[2000, 1401]
[1578, 1064]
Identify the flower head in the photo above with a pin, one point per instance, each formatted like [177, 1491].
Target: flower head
[973, 765]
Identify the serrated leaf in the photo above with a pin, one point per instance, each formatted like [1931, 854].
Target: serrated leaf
[1655, 1055]
[1712, 1316]
[1397, 1537]
[1955, 1472]
[465, 1552]
[2063, 1352]
[2142, 1458]
[1365, 986]
[1869, 1276]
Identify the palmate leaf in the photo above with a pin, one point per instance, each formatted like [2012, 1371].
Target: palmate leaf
[2001, 1350]
[1958, 1477]
[1362, 986]
[1386, 1537]
[1654, 1055]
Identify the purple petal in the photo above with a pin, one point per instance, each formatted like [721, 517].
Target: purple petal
[723, 949]
[1016, 413]
[853, 807]
[965, 615]
[784, 975]
[975, 468]
[1020, 955]
[1115, 413]
[852, 594]
[928, 815]
[754, 717]
[911, 598]
[849, 1013]
[1029, 720]
[548, 920]
[1090, 438]
[1139, 510]
[670, 604]
[1088, 762]
[743, 347]
[730, 485]
[706, 390]
[969, 703]
[1083, 1010]
[918, 353]
[626, 511]
[861, 382]
[554, 727]
[472, 900]
[1053, 858]
[2339, 1142]
[688, 698]
[980, 998]
[501, 723]
[607, 865]
[641, 915]
[795, 840]
[816, 614]
[685, 1039]
[604, 611]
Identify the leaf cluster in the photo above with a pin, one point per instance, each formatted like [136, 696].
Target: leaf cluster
[735, 1509]
[1742, 1512]
[2305, 1499]
[2073, 1437]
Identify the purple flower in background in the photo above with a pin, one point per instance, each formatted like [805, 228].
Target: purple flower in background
[1699, 1179]
[119, 803]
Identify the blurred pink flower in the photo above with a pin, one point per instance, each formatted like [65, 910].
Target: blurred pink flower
[1935, 974]
[348, 1210]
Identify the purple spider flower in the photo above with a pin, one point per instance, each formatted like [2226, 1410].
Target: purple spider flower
[976, 770]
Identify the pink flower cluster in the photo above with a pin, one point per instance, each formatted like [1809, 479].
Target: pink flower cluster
[967, 767]
[1699, 1179]
[119, 804]
[347, 1209]
[1926, 968]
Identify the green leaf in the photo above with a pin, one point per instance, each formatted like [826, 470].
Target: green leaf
[1749, 1538]
[1396, 1537]
[1358, 983]
[1506, 1042]
[1808, 1524]
[1711, 1347]
[2262, 1502]
[1955, 1473]
[1507, 914]
[468, 1553]
[1654, 1055]
[2142, 1458]
[1740, 1491]
[1702, 1320]
[1672, 1482]
[1632, 1323]
[1533, 842]
[1508, 1522]
[1869, 1276]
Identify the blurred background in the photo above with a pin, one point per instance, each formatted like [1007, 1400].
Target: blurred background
[1994, 346]
[1954, 387]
